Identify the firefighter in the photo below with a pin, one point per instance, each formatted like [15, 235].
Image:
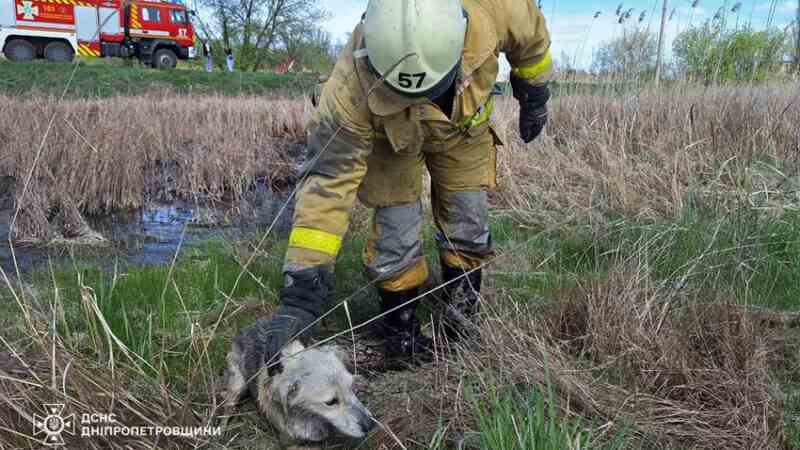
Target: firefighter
[372, 139]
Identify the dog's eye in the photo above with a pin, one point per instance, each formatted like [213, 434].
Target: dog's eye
[332, 402]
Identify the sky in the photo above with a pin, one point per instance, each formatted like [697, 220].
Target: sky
[575, 33]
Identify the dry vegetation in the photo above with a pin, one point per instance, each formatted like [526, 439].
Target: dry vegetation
[99, 155]
[673, 365]
[648, 154]
[672, 369]
[675, 370]
[642, 154]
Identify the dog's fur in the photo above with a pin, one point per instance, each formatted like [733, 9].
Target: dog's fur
[309, 398]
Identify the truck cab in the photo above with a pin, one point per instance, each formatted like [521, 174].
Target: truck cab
[161, 32]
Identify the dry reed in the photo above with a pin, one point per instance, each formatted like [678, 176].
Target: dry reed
[103, 155]
[670, 372]
[641, 153]
[651, 152]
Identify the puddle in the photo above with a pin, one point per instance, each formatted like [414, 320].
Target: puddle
[152, 235]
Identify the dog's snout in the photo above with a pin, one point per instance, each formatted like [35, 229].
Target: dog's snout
[366, 422]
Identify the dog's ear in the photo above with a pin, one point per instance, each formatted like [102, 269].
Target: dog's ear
[292, 348]
[288, 391]
[275, 368]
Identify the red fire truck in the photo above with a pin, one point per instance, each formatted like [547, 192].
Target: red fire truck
[158, 33]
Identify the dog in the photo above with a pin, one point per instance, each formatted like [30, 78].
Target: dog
[309, 395]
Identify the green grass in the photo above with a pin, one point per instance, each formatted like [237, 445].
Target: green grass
[152, 309]
[119, 78]
[156, 310]
[793, 425]
[745, 257]
[514, 421]
[751, 259]
[534, 263]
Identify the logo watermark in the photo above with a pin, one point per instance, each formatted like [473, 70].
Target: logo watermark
[55, 424]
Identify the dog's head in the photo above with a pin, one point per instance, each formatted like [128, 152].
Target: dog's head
[314, 392]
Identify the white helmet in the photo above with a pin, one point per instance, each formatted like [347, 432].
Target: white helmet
[432, 30]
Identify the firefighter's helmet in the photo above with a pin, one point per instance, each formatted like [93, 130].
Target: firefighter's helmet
[416, 44]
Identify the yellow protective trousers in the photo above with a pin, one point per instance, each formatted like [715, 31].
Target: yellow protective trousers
[461, 164]
[462, 169]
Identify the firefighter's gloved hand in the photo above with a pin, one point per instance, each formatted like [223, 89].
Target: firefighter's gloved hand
[532, 107]
[304, 298]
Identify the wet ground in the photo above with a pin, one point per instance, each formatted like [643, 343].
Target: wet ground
[153, 234]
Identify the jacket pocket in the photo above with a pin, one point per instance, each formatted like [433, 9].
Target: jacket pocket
[404, 132]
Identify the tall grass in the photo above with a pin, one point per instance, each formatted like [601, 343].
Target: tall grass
[635, 237]
[651, 153]
[102, 155]
[151, 309]
[655, 153]
[514, 423]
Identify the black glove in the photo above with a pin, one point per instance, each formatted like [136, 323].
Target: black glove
[304, 298]
[532, 107]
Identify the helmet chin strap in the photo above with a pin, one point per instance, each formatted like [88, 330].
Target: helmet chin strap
[442, 86]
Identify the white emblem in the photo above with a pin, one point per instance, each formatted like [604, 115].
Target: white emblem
[54, 423]
[28, 11]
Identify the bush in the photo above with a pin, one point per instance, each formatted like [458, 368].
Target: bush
[711, 53]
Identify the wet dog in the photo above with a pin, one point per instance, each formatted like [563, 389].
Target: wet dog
[308, 396]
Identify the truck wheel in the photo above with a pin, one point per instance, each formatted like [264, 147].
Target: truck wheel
[165, 59]
[19, 50]
[58, 51]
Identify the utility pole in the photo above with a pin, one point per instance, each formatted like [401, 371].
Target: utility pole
[797, 40]
[660, 54]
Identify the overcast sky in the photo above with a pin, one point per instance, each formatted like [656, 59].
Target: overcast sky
[576, 33]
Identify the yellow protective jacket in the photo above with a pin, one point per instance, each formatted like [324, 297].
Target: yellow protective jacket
[356, 107]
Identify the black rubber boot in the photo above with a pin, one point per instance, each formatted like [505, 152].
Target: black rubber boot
[462, 301]
[400, 329]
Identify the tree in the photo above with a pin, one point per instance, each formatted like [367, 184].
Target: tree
[257, 29]
[308, 47]
[340, 44]
[631, 55]
[711, 53]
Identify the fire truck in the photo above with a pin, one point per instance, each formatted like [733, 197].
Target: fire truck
[156, 32]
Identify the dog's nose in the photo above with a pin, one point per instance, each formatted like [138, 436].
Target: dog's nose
[367, 423]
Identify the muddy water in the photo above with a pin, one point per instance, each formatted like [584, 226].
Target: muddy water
[153, 234]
